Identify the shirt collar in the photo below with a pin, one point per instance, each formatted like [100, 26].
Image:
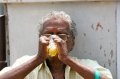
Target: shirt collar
[67, 69]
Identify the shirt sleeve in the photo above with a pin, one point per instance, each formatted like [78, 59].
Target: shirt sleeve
[94, 64]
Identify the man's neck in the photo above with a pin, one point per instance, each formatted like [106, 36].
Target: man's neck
[55, 65]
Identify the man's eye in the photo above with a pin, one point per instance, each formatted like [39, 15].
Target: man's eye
[61, 34]
[47, 35]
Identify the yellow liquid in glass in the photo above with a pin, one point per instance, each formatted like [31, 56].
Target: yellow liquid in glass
[52, 51]
[52, 47]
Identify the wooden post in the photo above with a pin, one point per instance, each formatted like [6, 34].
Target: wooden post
[2, 43]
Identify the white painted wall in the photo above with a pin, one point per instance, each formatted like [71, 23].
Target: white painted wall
[93, 44]
[118, 39]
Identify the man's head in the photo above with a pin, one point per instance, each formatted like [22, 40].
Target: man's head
[58, 14]
[60, 24]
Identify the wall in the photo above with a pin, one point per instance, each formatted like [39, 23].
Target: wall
[1, 9]
[118, 39]
[95, 22]
[26, 1]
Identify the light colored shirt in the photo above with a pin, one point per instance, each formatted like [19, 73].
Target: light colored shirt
[42, 71]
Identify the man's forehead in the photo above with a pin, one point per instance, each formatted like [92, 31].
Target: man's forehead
[55, 28]
[57, 22]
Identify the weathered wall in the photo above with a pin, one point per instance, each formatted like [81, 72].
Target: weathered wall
[26, 1]
[1, 9]
[95, 22]
[118, 39]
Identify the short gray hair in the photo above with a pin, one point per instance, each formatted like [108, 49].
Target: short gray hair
[58, 14]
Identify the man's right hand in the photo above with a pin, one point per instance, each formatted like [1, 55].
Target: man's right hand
[43, 43]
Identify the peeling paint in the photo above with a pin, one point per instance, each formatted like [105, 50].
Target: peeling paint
[99, 26]
[92, 27]
[111, 53]
[110, 57]
[109, 62]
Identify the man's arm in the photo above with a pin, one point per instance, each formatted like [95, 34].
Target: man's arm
[24, 69]
[84, 71]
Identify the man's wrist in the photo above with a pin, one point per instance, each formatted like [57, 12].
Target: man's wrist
[40, 58]
[65, 58]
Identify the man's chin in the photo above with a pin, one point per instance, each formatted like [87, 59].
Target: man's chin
[53, 57]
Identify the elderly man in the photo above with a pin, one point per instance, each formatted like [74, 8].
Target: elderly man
[61, 66]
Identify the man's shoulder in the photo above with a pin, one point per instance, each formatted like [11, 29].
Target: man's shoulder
[25, 57]
[22, 59]
[85, 60]
[88, 62]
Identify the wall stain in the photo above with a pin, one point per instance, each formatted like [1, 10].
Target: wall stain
[100, 47]
[84, 34]
[104, 66]
[109, 62]
[111, 53]
[104, 54]
[108, 30]
[110, 57]
[99, 26]
[8, 52]
[90, 53]
[92, 27]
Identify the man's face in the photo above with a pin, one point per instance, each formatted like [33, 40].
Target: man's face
[59, 26]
